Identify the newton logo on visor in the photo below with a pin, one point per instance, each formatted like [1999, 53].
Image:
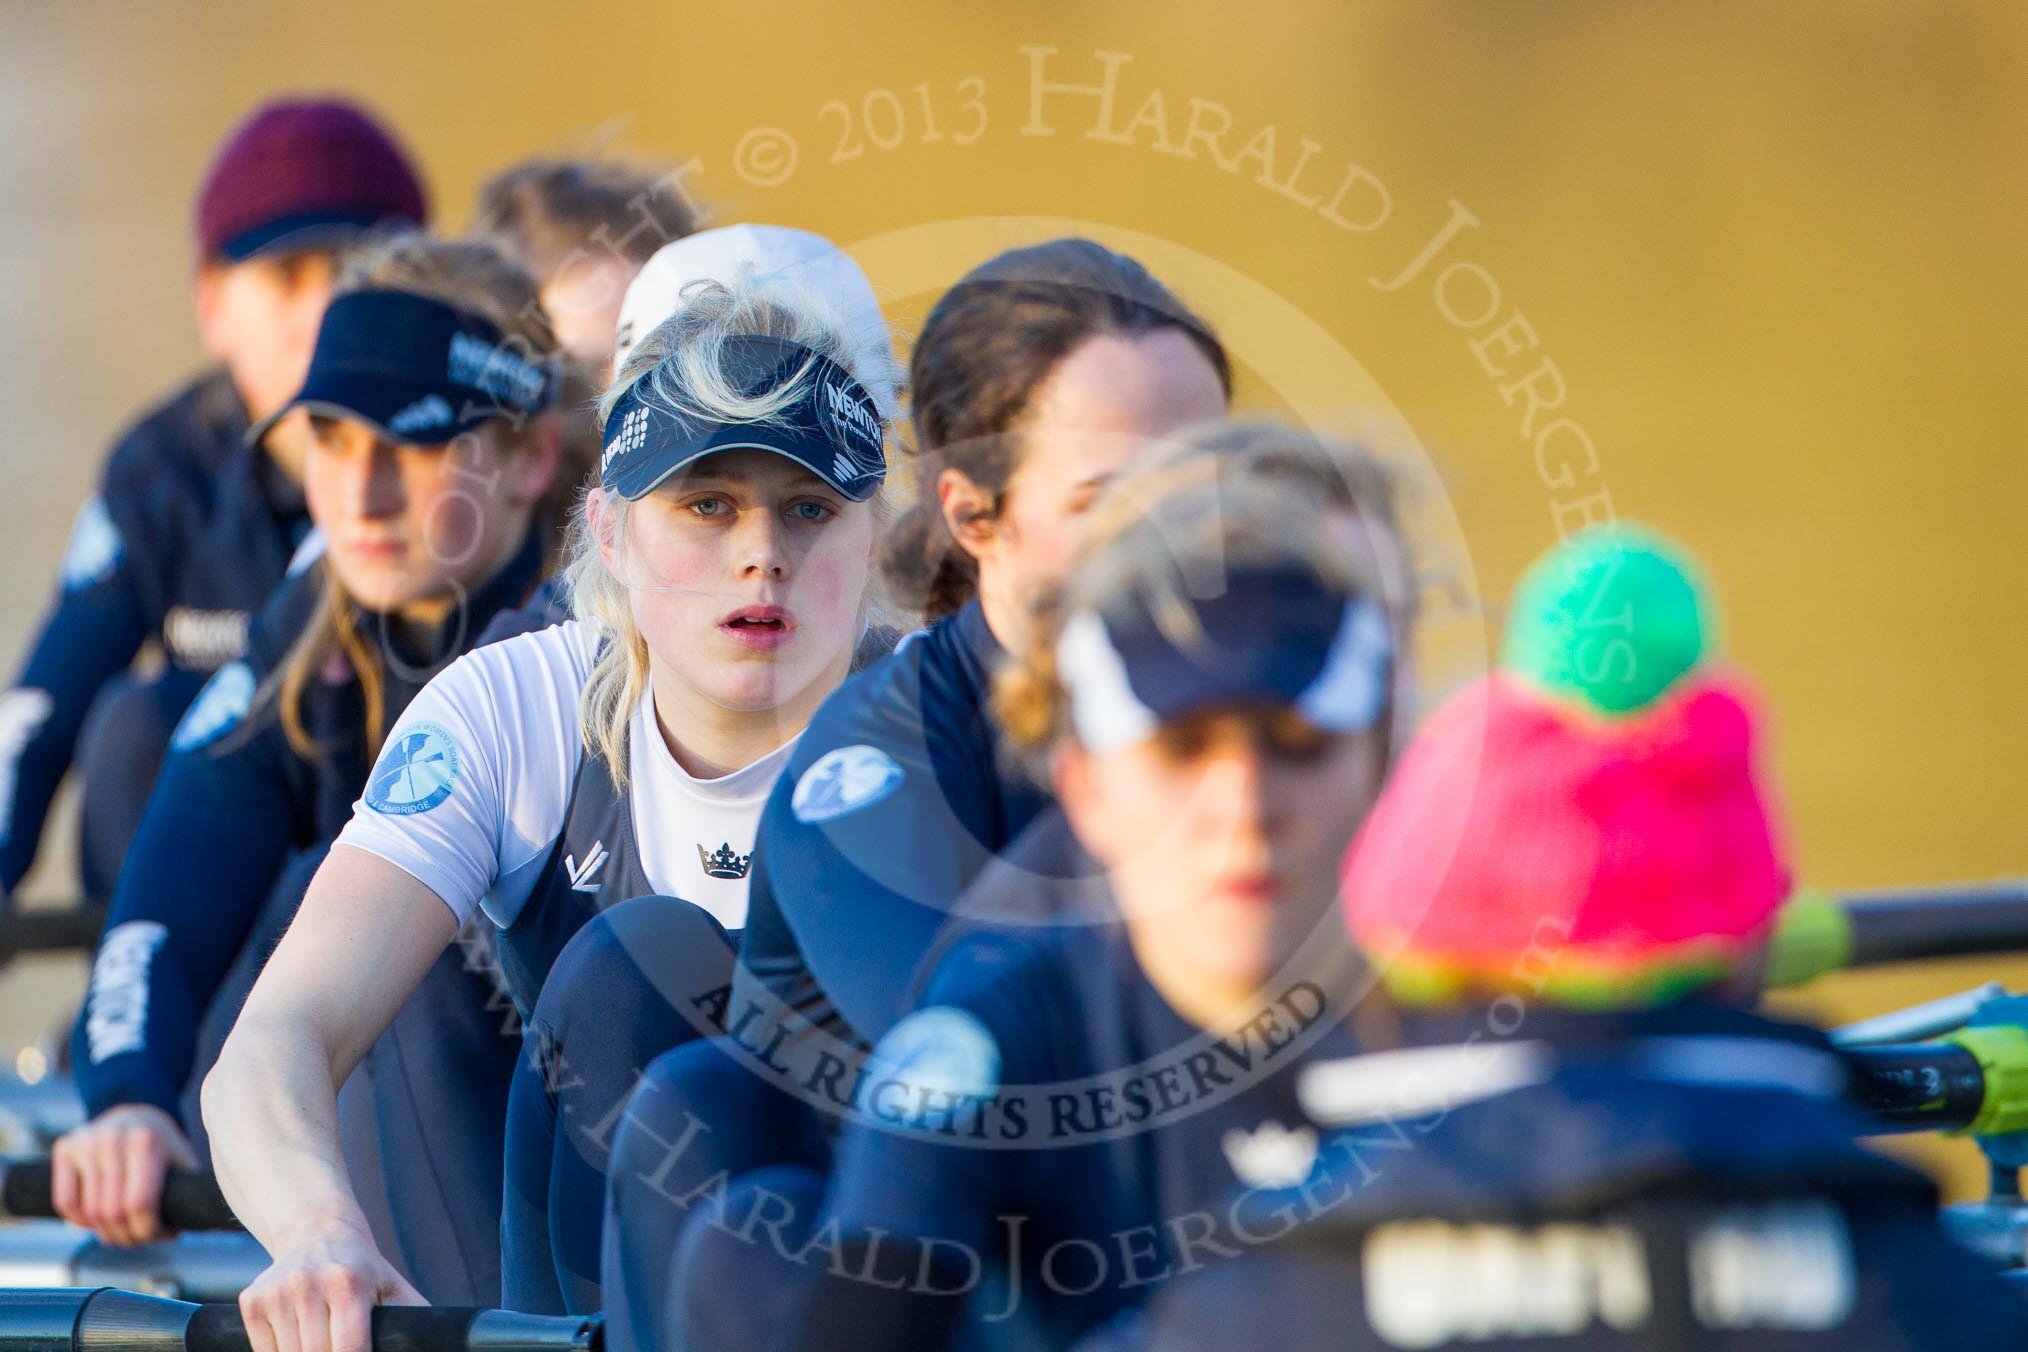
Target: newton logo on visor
[631, 437]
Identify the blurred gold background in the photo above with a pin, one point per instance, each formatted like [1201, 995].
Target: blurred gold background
[1776, 255]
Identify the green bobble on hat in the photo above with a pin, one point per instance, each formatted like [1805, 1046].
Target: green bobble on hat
[1610, 619]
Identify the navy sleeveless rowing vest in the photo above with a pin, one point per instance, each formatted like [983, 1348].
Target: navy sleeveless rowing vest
[594, 864]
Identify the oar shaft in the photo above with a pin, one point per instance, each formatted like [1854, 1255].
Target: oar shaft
[1818, 933]
[1938, 922]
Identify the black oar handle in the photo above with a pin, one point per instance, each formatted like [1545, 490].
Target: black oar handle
[1924, 1086]
[396, 1328]
[190, 1200]
[1937, 922]
[51, 930]
[93, 1319]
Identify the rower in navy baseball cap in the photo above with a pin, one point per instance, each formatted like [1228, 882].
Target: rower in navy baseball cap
[1267, 637]
[189, 528]
[830, 425]
[416, 370]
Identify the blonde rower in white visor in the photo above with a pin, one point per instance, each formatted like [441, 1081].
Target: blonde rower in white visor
[570, 782]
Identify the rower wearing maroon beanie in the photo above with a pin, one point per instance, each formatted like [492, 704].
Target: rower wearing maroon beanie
[191, 527]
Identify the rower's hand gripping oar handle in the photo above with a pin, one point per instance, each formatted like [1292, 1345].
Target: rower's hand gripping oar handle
[396, 1328]
[88, 1319]
[190, 1200]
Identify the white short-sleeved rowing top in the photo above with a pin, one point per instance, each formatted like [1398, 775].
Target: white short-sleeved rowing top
[472, 786]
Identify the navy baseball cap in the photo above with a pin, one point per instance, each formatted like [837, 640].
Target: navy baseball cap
[1273, 636]
[414, 369]
[833, 429]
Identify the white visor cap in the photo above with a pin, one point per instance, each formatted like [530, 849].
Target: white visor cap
[723, 254]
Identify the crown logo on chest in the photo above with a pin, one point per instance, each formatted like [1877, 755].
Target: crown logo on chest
[723, 862]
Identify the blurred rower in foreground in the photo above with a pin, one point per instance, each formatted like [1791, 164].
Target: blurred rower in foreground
[1582, 1138]
[1210, 699]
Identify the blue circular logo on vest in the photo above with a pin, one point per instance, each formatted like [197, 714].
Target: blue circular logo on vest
[217, 709]
[941, 1048]
[416, 771]
[95, 546]
[843, 781]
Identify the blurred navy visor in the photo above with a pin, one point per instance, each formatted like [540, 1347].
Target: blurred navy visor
[832, 428]
[1271, 636]
[416, 370]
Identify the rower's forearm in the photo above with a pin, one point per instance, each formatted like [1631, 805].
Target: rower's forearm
[271, 1108]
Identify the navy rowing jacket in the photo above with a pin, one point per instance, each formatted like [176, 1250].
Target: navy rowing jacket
[1686, 1178]
[189, 533]
[896, 797]
[1055, 1137]
[233, 801]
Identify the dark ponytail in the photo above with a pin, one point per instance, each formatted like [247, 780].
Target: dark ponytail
[988, 344]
